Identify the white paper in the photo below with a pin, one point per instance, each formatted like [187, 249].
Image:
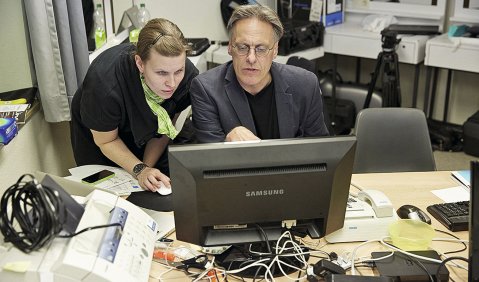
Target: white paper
[14, 108]
[122, 183]
[316, 10]
[454, 194]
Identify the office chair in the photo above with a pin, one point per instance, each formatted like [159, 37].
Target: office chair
[392, 140]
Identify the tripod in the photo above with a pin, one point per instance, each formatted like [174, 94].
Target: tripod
[391, 90]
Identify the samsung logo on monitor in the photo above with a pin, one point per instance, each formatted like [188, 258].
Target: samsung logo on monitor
[262, 193]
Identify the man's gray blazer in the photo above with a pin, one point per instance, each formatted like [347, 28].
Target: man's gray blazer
[220, 104]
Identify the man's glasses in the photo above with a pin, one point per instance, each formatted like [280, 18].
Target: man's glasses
[243, 50]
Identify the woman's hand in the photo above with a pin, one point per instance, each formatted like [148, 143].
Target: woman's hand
[149, 179]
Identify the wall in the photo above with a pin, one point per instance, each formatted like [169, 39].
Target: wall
[39, 145]
[14, 62]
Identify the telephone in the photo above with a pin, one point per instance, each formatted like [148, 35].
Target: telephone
[367, 217]
[378, 201]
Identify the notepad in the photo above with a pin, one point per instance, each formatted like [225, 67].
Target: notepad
[464, 176]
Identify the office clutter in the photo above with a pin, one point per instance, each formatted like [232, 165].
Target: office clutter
[17, 103]
[8, 130]
[445, 136]
[300, 35]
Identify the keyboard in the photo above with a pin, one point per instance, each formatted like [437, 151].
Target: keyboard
[455, 216]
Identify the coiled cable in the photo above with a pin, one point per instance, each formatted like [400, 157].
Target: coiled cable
[37, 214]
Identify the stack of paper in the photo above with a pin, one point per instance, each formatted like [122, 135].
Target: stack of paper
[122, 183]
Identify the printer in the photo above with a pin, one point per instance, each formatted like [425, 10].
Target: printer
[115, 253]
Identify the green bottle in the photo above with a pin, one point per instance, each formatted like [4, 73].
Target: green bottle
[143, 18]
[100, 33]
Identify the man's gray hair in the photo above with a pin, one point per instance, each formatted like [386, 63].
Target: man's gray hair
[262, 13]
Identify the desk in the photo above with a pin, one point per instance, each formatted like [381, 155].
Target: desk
[219, 54]
[452, 54]
[350, 39]
[401, 188]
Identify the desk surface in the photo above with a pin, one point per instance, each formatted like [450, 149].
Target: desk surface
[401, 188]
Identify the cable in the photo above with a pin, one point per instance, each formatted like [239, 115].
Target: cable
[37, 215]
[90, 228]
[452, 235]
[443, 263]
[36, 209]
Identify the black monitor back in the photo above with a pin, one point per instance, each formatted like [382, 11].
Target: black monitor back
[474, 224]
[223, 191]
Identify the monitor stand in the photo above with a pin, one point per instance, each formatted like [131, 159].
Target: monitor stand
[240, 256]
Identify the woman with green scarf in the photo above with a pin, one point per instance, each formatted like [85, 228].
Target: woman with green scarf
[123, 112]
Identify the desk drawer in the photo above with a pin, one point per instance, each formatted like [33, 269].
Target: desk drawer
[465, 57]
[411, 52]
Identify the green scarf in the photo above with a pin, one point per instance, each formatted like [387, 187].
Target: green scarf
[165, 126]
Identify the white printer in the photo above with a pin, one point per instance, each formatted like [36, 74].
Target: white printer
[116, 253]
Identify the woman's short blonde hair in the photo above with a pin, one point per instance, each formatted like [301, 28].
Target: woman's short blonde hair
[162, 36]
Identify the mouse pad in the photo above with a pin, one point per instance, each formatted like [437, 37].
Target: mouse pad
[151, 200]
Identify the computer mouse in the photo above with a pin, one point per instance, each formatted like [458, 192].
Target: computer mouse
[163, 190]
[413, 212]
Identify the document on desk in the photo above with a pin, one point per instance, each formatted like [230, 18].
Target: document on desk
[165, 220]
[463, 176]
[122, 183]
[453, 194]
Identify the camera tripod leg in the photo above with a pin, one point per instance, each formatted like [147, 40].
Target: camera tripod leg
[374, 78]
[391, 91]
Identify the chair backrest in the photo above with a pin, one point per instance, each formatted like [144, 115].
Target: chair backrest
[392, 139]
[302, 63]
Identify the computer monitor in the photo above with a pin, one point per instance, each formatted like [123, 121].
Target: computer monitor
[224, 192]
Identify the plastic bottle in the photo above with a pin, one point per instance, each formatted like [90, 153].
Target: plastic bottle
[100, 34]
[143, 18]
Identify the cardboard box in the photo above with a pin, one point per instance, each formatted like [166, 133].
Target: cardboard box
[8, 130]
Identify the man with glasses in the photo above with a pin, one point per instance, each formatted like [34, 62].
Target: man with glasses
[252, 97]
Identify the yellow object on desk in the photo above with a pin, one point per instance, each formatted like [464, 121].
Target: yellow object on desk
[411, 234]
[14, 102]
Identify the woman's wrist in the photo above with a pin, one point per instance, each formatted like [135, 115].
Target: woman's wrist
[138, 169]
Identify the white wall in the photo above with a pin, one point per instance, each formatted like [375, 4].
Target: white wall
[14, 61]
[39, 145]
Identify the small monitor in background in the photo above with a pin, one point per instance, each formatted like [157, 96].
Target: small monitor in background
[226, 193]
